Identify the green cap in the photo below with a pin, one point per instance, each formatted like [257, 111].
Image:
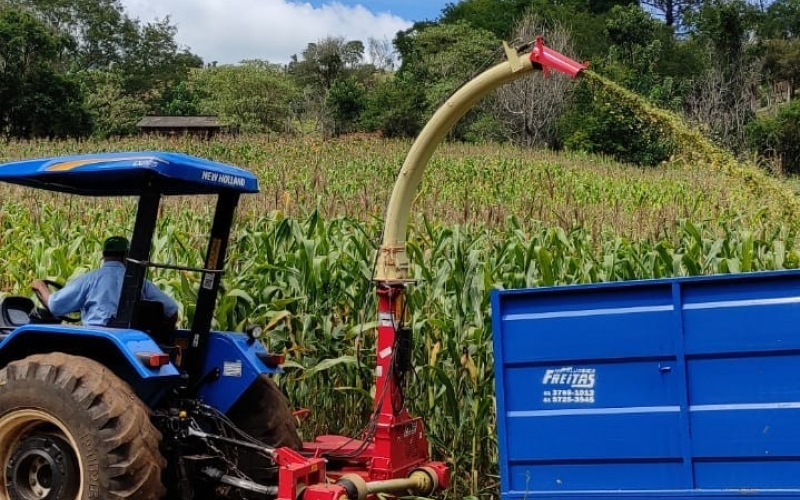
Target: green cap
[116, 244]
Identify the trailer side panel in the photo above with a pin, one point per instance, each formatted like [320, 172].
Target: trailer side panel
[672, 388]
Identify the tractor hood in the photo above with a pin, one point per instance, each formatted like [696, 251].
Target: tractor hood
[129, 174]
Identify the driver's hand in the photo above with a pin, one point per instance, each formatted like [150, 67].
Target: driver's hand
[39, 287]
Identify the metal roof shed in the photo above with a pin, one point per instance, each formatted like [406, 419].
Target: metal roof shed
[205, 126]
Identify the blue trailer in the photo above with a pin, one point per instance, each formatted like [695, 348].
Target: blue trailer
[673, 388]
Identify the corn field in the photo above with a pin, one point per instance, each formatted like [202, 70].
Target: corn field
[302, 254]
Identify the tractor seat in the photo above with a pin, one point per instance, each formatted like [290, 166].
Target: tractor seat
[149, 318]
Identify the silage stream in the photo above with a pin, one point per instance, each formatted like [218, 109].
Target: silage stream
[695, 151]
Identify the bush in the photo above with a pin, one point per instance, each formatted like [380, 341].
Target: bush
[396, 108]
[778, 137]
[598, 123]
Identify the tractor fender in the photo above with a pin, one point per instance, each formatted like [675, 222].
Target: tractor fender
[123, 351]
[232, 365]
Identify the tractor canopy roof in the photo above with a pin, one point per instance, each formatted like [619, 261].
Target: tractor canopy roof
[129, 174]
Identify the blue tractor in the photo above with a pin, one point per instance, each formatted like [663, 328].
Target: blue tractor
[131, 411]
[128, 411]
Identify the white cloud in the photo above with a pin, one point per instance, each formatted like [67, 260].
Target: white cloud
[228, 31]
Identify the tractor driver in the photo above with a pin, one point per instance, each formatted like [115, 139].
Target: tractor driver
[96, 294]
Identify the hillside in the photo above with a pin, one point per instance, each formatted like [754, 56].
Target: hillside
[479, 185]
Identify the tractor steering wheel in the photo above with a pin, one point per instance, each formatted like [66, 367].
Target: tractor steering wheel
[43, 313]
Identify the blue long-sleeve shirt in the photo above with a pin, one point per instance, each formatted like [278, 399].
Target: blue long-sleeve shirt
[96, 295]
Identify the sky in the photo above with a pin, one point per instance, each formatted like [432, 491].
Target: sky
[228, 31]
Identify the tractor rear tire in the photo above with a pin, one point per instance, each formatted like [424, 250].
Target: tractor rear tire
[263, 413]
[70, 429]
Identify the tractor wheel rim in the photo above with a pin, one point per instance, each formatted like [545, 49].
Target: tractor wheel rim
[34, 469]
[43, 467]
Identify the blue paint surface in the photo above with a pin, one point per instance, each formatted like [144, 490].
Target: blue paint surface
[236, 360]
[676, 388]
[129, 174]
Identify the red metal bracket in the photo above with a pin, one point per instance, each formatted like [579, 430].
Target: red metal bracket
[296, 471]
[325, 492]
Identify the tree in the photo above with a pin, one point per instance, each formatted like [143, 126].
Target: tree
[154, 62]
[395, 107]
[326, 60]
[778, 137]
[672, 11]
[381, 53]
[346, 101]
[113, 112]
[585, 18]
[35, 100]
[497, 16]
[781, 30]
[254, 95]
[323, 64]
[100, 28]
[597, 122]
[782, 62]
[724, 95]
[633, 37]
[530, 108]
[644, 56]
[781, 20]
[145, 56]
[181, 100]
[438, 59]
